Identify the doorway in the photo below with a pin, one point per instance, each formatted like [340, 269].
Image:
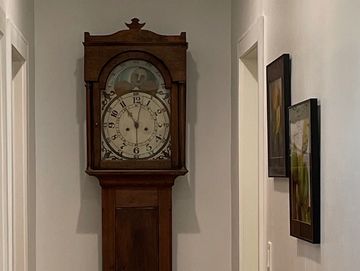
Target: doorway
[14, 86]
[250, 142]
[249, 160]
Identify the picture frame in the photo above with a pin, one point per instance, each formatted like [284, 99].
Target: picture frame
[278, 100]
[304, 160]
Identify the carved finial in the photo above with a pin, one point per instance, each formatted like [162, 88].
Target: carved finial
[135, 24]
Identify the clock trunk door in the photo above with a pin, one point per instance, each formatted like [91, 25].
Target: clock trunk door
[137, 239]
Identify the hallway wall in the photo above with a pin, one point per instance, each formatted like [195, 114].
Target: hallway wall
[323, 40]
[68, 201]
[21, 12]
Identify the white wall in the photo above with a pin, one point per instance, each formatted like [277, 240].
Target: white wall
[243, 13]
[323, 40]
[21, 12]
[68, 201]
[3, 5]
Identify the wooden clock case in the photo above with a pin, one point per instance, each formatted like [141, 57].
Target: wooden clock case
[136, 194]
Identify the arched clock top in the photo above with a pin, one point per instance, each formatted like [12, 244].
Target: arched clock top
[135, 34]
[99, 49]
[136, 84]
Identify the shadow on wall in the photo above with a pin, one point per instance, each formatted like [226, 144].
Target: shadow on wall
[281, 185]
[309, 251]
[89, 221]
[184, 214]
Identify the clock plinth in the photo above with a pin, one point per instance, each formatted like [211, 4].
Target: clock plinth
[136, 84]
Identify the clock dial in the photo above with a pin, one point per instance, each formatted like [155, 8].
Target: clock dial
[135, 113]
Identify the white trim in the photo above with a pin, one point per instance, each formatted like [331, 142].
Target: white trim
[18, 40]
[14, 38]
[9, 151]
[10, 37]
[3, 165]
[254, 36]
[26, 144]
[25, 137]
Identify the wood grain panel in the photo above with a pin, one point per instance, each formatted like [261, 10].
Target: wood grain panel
[136, 198]
[137, 239]
[165, 229]
[108, 230]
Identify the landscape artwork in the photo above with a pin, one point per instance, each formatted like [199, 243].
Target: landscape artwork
[278, 100]
[277, 127]
[304, 160]
[300, 150]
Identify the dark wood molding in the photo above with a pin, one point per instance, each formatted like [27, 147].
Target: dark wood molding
[135, 35]
[135, 25]
[135, 178]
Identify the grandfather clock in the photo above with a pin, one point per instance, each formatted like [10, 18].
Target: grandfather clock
[135, 103]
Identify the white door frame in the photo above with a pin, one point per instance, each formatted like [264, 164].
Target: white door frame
[254, 36]
[14, 38]
[3, 166]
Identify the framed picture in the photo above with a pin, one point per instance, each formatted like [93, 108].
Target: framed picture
[278, 101]
[304, 159]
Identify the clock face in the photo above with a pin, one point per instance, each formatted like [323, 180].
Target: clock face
[135, 113]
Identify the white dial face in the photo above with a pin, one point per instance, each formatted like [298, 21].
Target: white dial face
[135, 113]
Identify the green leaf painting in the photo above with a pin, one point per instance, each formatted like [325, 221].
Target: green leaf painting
[300, 164]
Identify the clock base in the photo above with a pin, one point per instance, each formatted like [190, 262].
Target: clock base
[137, 228]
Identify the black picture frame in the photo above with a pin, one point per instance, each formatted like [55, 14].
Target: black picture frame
[304, 160]
[278, 75]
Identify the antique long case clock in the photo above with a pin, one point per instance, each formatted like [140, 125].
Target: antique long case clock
[136, 95]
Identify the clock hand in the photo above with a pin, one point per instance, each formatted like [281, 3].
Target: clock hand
[136, 134]
[138, 117]
[136, 123]
[130, 114]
